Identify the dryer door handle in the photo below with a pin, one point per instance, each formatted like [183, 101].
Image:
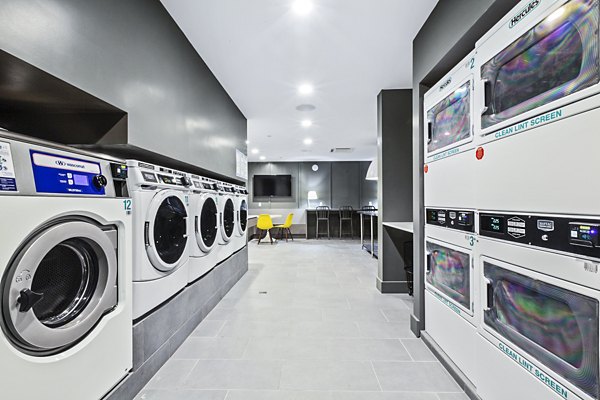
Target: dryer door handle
[147, 233]
[429, 261]
[489, 295]
[196, 224]
[429, 131]
[487, 96]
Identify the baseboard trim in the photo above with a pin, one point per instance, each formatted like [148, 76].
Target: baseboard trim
[454, 371]
[392, 287]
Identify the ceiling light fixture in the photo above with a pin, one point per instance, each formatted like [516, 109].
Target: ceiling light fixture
[302, 7]
[307, 123]
[305, 89]
[254, 151]
[263, 158]
[308, 141]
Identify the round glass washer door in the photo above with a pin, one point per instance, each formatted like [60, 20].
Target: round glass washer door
[227, 219]
[59, 284]
[166, 230]
[242, 216]
[206, 223]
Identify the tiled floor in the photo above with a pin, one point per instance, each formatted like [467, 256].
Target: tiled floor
[305, 323]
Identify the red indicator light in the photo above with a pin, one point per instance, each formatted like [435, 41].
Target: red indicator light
[479, 153]
[426, 168]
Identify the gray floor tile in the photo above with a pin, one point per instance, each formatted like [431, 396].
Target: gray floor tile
[172, 375]
[397, 315]
[382, 396]
[453, 396]
[181, 394]
[368, 350]
[200, 348]
[240, 328]
[418, 350]
[325, 329]
[414, 377]
[297, 348]
[278, 395]
[235, 374]
[208, 328]
[354, 314]
[385, 330]
[331, 375]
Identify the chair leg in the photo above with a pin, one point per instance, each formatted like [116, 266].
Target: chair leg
[270, 236]
[317, 231]
[259, 236]
[290, 232]
[286, 236]
[340, 227]
[328, 230]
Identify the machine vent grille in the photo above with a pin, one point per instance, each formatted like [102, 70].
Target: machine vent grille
[342, 150]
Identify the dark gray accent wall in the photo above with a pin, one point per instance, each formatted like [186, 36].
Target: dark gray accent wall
[447, 36]
[336, 183]
[394, 138]
[132, 55]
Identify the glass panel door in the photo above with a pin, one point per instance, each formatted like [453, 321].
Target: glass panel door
[170, 230]
[556, 326]
[228, 217]
[449, 122]
[208, 222]
[556, 58]
[449, 271]
[243, 215]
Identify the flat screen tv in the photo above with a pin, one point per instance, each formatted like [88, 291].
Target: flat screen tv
[272, 186]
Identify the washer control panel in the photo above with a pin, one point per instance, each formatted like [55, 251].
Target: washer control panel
[461, 220]
[572, 235]
[58, 174]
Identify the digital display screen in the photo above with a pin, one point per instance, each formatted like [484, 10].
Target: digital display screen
[433, 215]
[492, 223]
[149, 177]
[81, 180]
[584, 234]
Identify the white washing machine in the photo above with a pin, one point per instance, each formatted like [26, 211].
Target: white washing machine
[540, 306]
[160, 234]
[537, 105]
[205, 227]
[449, 149]
[66, 273]
[241, 216]
[451, 285]
[227, 220]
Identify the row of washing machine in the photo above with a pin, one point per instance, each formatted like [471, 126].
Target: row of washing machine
[88, 245]
[512, 213]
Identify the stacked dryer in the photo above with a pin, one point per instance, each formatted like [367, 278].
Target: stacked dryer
[451, 283]
[537, 120]
[161, 229]
[205, 229]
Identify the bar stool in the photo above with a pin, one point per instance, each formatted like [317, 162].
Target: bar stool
[346, 214]
[323, 215]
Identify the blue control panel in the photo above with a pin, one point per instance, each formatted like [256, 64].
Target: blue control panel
[65, 175]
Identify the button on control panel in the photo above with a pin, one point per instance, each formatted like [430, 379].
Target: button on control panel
[461, 220]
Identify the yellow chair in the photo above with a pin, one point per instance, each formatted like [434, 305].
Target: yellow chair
[264, 224]
[286, 227]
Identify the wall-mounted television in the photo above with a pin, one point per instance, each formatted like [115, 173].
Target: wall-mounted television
[272, 186]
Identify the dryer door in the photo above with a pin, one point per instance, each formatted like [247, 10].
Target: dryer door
[59, 285]
[166, 230]
[206, 223]
[242, 216]
[227, 219]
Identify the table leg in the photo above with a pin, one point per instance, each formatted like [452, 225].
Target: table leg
[372, 239]
[362, 232]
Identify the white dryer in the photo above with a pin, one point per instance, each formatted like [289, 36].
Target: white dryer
[538, 102]
[540, 302]
[241, 216]
[449, 148]
[160, 234]
[205, 227]
[227, 219]
[452, 285]
[65, 265]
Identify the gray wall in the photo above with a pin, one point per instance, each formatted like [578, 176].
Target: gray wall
[336, 183]
[132, 55]
[447, 36]
[394, 152]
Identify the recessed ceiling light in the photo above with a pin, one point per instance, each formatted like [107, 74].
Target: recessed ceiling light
[306, 89]
[307, 123]
[302, 7]
[308, 141]
[254, 151]
[247, 143]
[262, 158]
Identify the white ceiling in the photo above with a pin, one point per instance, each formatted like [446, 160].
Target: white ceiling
[261, 51]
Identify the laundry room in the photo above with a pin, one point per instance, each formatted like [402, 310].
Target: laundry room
[299, 199]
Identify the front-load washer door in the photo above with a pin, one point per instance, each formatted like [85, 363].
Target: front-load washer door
[206, 223]
[227, 219]
[166, 230]
[58, 285]
[242, 216]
